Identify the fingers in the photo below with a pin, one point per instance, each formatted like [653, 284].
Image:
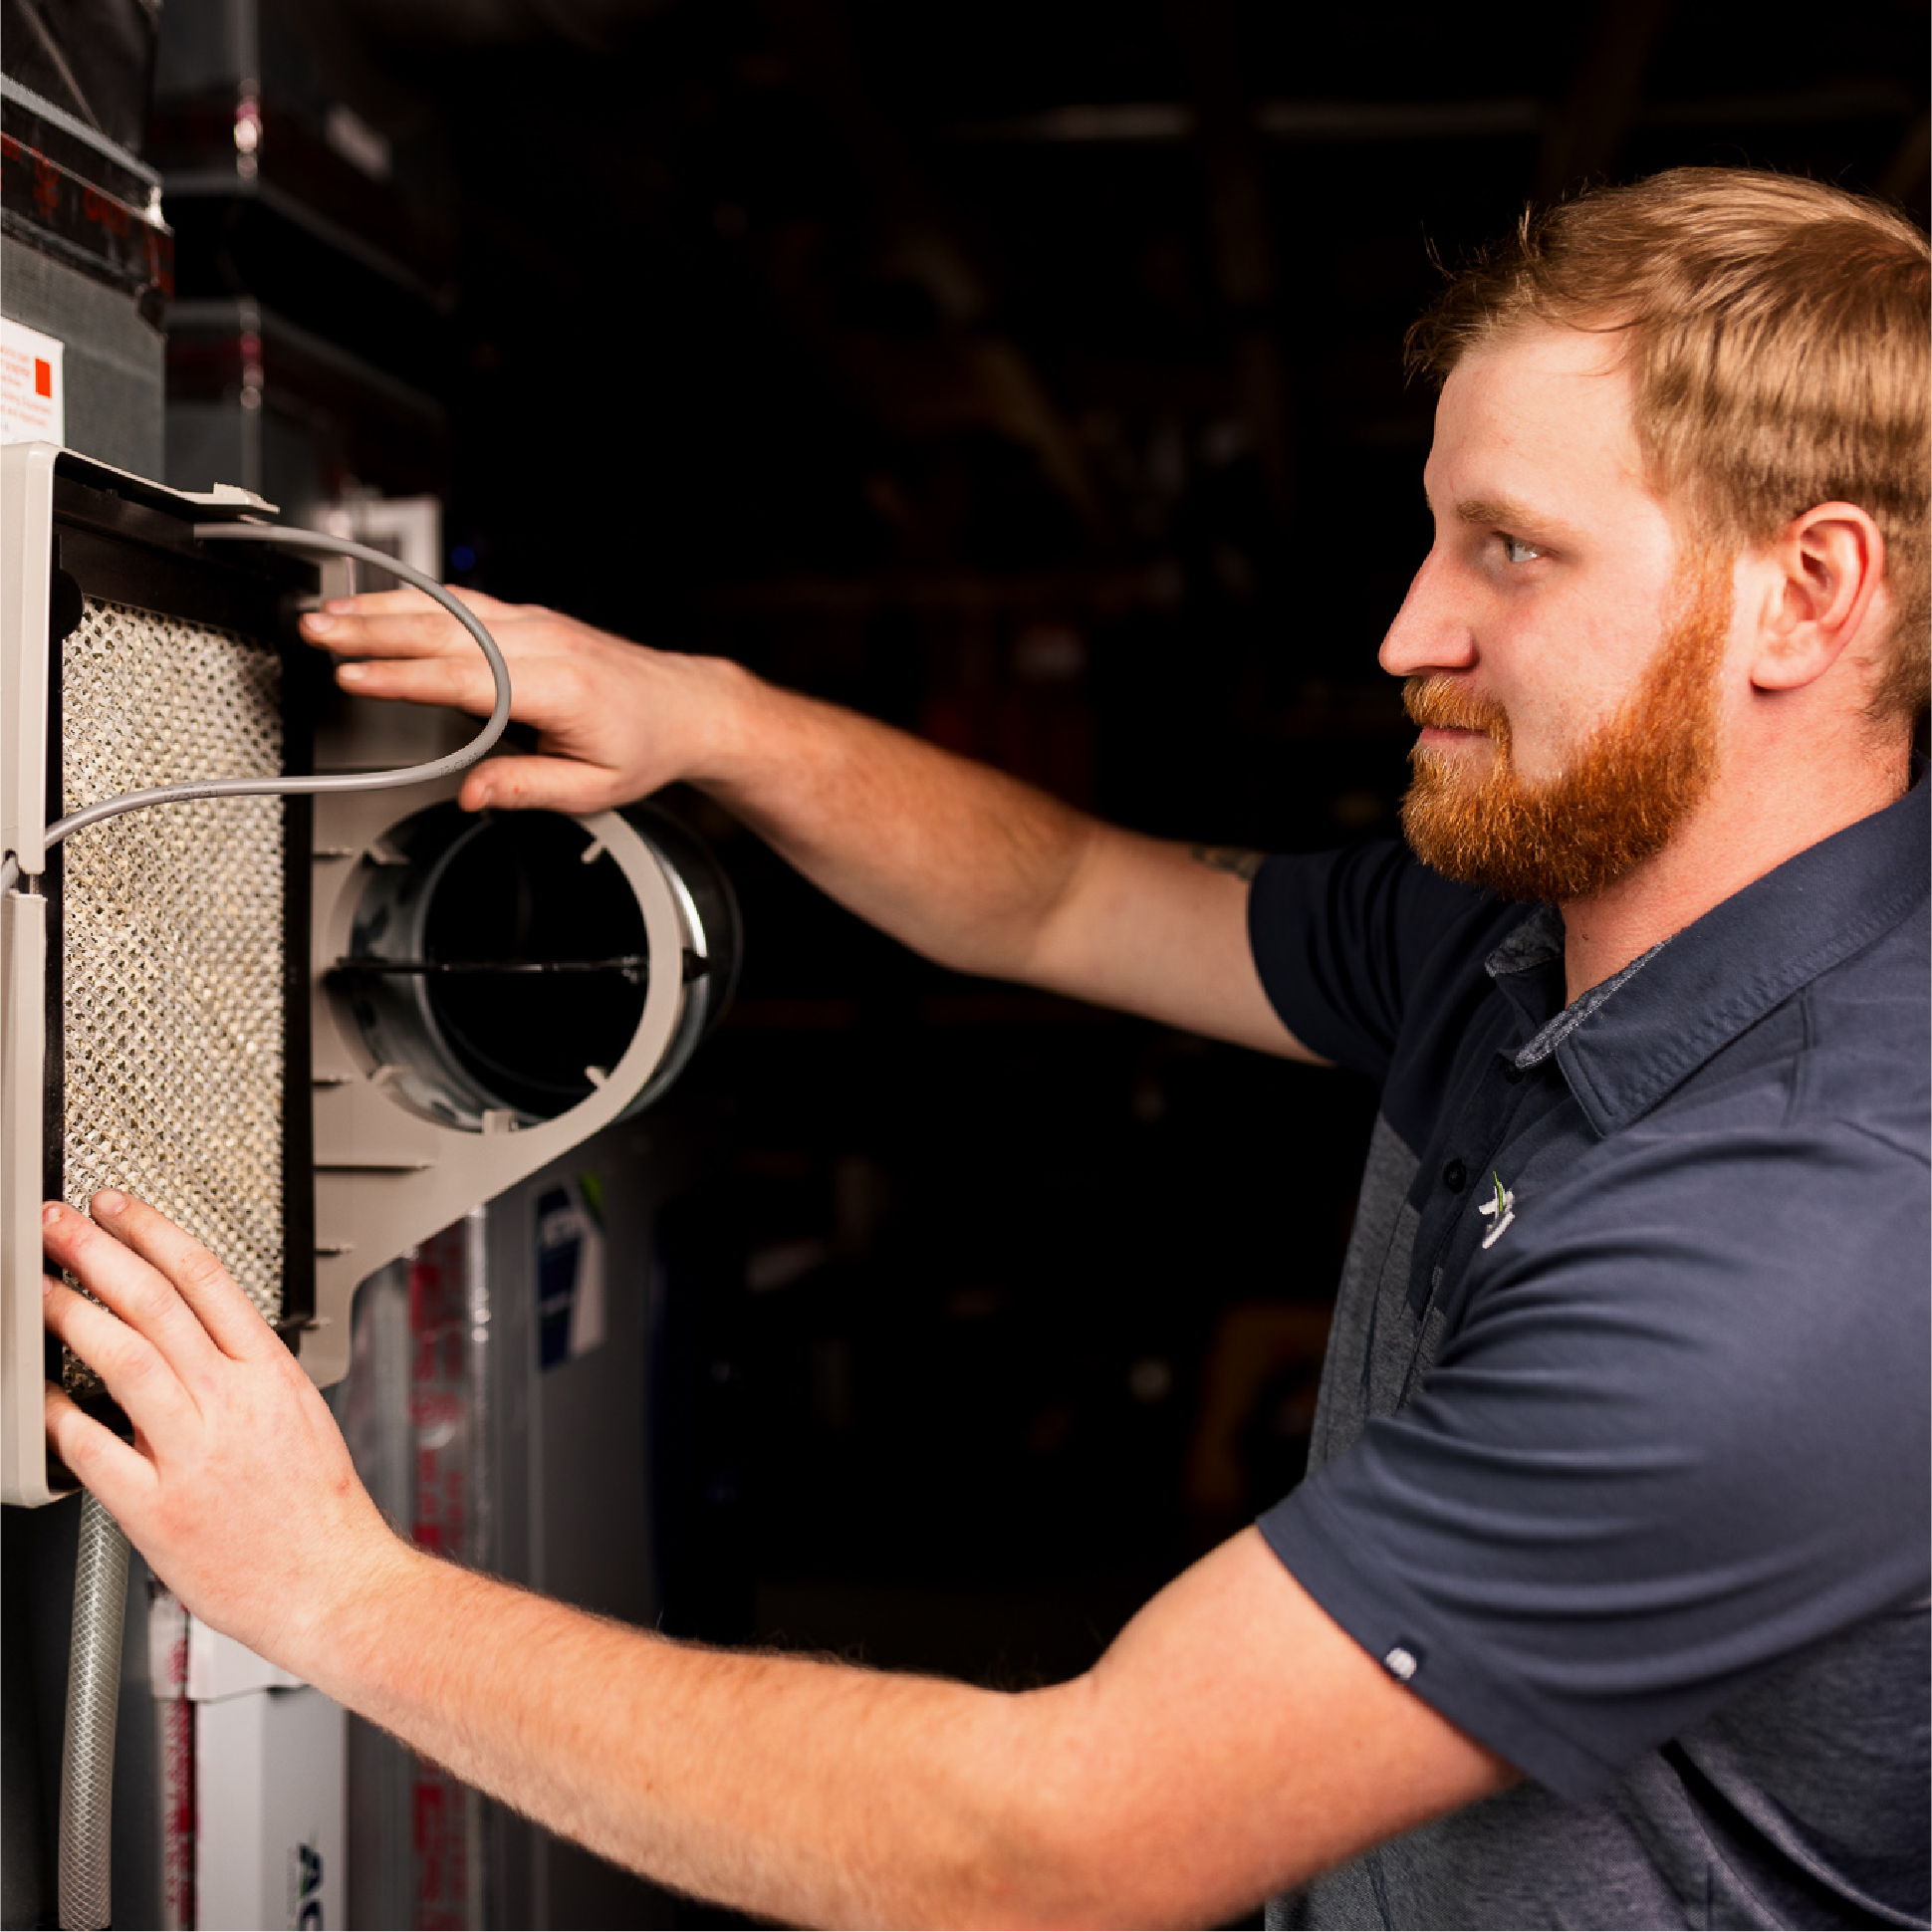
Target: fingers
[141, 1297]
[114, 1471]
[586, 691]
[463, 682]
[138, 1377]
[385, 621]
[412, 649]
[540, 783]
[224, 1313]
[407, 634]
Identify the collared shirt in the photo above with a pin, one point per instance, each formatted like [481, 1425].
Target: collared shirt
[1621, 1455]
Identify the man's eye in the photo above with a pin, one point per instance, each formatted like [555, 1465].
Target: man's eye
[1518, 552]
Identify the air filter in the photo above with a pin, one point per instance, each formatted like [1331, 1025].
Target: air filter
[154, 1002]
[172, 924]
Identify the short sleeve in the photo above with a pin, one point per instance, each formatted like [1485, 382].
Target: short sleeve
[1341, 940]
[1653, 1460]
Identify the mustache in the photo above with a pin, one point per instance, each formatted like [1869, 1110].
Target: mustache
[1440, 701]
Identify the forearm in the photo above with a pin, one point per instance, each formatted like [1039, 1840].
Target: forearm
[1232, 1743]
[809, 1792]
[960, 861]
[982, 873]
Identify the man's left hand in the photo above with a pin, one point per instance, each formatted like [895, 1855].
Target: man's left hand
[238, 1488]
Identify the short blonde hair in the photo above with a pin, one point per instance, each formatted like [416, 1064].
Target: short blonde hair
[1778, 338]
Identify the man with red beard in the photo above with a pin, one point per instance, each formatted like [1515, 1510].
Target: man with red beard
[1604, 1601]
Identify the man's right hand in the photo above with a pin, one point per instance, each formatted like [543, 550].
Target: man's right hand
[615, 720]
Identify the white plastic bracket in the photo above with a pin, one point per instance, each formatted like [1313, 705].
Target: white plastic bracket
[388, 1176]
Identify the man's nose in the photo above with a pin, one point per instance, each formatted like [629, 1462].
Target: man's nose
[1432, 630]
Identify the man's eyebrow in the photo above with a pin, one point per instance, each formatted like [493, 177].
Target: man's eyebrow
[1507, 513]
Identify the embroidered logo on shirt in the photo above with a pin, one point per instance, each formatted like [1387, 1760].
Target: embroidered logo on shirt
[1502, 1206]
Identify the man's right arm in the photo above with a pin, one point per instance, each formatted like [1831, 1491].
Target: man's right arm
[967, 866]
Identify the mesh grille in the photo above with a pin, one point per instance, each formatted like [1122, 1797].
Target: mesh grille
[173, 935]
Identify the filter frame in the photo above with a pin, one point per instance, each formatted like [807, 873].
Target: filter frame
[116, 549]
[71, 529]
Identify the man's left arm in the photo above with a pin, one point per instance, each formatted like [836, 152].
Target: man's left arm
[1233, 1741]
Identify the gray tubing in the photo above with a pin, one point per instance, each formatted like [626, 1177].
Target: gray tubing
[93, 1703]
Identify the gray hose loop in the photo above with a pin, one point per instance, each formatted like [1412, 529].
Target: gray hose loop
[93, 1702]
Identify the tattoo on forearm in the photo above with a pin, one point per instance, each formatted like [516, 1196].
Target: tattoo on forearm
[1229, 858]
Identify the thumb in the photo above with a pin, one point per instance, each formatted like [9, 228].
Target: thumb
[530, 783]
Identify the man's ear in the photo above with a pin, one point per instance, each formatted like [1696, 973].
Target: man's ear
[1824, 573]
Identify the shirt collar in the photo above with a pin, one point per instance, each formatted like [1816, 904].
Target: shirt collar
[1628, 1040]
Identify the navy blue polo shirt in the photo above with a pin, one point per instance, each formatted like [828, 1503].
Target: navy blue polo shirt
[1622, 1454]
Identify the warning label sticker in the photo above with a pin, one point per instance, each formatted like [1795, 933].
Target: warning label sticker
[32, 399]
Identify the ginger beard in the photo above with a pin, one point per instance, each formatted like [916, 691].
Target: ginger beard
[1624, 791]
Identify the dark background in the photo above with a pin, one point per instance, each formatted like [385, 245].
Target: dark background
[1028, 375]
